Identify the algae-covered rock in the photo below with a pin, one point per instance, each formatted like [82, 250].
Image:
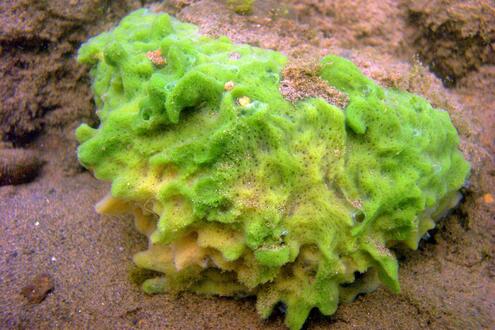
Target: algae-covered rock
[242, 192]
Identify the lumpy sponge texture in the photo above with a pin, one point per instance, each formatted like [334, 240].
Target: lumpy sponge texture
[241, 192]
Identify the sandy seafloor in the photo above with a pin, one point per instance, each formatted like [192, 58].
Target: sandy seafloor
[443, 50]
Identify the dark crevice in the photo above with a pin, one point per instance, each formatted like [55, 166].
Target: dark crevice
[428, 239]
[26, 44]
[19, 141]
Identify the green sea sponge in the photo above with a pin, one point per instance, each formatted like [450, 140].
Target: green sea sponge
[242, 192]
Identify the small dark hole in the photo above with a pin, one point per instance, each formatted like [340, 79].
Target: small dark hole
[357, 277]
[146, 115]
[358, 217]
[281, 307]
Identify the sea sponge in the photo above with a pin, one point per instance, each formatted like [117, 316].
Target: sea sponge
[242, 192]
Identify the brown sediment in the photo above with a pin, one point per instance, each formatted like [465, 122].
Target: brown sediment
[301, 81]
[454, 37]
[50, 224]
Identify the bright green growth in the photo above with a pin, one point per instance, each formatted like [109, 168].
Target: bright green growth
[241, 6]
[243, 193]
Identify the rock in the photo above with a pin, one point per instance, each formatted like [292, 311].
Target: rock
[39, 288]
[18, 166]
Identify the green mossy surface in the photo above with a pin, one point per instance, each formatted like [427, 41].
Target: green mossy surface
[241, 6]
[317, 193]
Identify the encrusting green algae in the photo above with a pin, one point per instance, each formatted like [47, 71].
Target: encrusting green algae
[242, 192]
